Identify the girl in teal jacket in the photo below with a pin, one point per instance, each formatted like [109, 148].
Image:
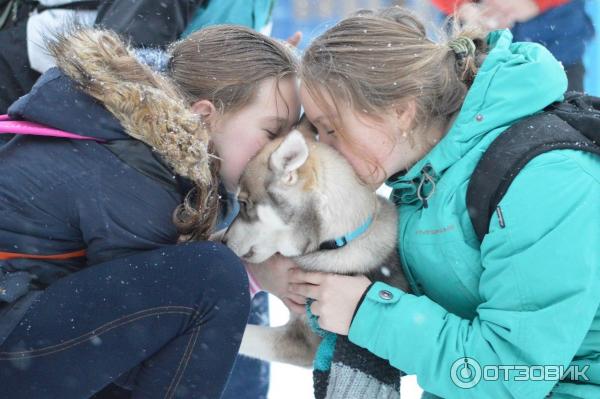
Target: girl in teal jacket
[418, 115]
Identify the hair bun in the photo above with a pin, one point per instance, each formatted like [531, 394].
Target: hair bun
[463, 47]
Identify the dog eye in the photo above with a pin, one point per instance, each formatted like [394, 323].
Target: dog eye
[243, 206]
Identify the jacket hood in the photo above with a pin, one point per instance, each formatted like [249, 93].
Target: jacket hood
[56, 101]
[515, 80]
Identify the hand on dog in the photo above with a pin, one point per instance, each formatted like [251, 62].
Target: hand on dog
[273, 276]
[335, 295]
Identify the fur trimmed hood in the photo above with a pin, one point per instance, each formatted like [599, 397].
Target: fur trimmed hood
[148, 105]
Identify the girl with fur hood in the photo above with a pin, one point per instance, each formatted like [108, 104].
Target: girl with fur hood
[418, 115]
[94, 286]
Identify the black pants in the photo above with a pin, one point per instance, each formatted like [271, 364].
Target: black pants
[170, 320]
[16, 76]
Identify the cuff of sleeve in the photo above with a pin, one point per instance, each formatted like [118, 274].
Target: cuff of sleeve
[378, 292]
[360, 301]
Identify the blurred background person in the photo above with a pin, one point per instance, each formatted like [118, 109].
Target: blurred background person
[24, 25]
[562, 26]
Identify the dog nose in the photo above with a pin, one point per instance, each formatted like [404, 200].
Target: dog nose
[249, 254]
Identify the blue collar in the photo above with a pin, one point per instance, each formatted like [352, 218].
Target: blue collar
[342, 241]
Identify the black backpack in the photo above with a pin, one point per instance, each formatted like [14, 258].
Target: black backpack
[571, 124]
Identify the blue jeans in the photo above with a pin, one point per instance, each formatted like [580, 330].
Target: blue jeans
[175, 315]
[250, 377]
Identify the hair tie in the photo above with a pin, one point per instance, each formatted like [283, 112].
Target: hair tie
[462, 46]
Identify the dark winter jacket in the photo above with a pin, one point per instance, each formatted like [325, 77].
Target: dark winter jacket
[60, 196]
[564, 30]
[92, 201]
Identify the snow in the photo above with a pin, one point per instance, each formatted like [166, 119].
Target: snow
[290, 382]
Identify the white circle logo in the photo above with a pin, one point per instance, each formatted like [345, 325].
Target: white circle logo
[465, 372]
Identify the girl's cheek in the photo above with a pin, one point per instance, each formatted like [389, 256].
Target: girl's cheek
[254, 146]
[232, 166]
[361, 167]
[245, 152]
[238, 154]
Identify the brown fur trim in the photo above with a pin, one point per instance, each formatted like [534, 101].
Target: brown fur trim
[148, 105]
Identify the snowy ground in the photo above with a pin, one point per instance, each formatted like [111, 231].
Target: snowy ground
[289, 382]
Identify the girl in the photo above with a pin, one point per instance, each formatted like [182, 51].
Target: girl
[418, 115]
[92, 283]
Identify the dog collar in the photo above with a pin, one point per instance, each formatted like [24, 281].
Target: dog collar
[343, 240]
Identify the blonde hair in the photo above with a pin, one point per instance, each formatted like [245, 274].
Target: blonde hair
[376, 60]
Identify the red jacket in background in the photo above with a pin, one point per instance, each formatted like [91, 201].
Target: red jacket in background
[448, 6]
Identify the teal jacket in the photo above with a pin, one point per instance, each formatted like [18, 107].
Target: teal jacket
[255, 14]
[529, 293]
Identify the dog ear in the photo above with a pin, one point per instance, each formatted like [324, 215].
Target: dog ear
[290, 155]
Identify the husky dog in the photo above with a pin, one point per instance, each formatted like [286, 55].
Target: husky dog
[302, 199]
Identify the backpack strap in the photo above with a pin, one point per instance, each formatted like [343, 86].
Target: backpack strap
[8, 126]
[582, 112]
[64, 256]
[508, 154]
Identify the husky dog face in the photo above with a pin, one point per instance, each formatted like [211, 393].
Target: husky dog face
[277, 202]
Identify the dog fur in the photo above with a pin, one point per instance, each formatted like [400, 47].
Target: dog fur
[295, 194]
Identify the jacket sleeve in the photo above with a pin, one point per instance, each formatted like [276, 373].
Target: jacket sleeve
[540, 289]
[449, 6]
[147, 23]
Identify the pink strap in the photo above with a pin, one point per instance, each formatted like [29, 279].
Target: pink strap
[252, 283]
[35, 129]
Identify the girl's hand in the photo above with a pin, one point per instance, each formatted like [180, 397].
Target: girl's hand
[509, 12]
[295, 39]
[336, 296]
[273, 276]
[497, 14]
[470, 14]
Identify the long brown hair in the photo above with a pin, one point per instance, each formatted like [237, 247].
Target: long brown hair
[224, 64]
[375, 60]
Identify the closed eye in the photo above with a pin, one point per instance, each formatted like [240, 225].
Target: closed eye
[274, 133]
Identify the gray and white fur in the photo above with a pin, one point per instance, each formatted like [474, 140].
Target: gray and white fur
[295, 194]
